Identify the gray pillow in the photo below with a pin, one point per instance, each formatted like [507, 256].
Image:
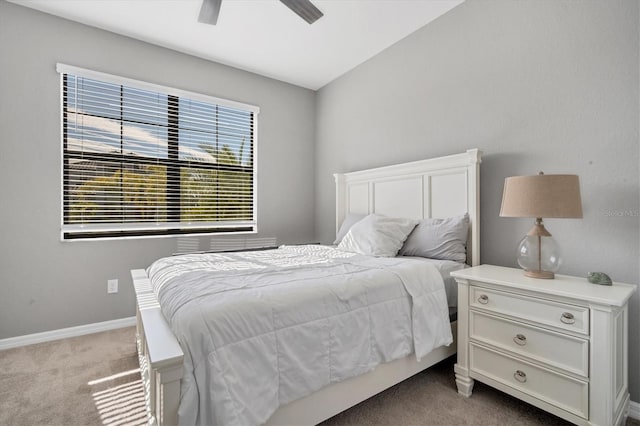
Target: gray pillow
[444, 239]
[348, 222]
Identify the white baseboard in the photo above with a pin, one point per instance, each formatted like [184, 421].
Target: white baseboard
[634, 410]
[63, 333]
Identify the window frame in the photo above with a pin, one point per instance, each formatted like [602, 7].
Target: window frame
[155, 229]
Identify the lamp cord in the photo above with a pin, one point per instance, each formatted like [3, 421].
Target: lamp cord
[539, 253]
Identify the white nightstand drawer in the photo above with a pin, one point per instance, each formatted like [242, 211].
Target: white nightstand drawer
[562, 391]
[555, 349]
[557, 315]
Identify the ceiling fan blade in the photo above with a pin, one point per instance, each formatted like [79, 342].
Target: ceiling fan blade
[305, 9]
[209, 11]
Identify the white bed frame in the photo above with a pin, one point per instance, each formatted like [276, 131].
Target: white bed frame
[437, 187]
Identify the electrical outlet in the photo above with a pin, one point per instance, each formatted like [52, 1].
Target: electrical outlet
[112, 286]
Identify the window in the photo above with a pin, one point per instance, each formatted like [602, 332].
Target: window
[141, 159]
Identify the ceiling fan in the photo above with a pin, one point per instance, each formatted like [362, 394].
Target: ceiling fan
[304, 8]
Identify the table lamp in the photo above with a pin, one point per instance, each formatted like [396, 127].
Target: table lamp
[550, 196]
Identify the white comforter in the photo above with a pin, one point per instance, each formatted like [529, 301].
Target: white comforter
[260, 329]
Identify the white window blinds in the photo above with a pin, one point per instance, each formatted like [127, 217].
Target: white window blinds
[140, 159]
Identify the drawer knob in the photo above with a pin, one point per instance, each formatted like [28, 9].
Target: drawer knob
[484, 299]
[567, 318]
[520, 376]
[520, 339]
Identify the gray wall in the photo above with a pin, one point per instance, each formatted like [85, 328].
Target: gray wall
[536, 85]
[46, 284]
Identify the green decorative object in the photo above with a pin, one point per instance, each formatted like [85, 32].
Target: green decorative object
[598, 278]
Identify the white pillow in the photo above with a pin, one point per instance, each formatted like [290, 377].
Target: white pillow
[348, 222]
[444, 239]
[377, 235]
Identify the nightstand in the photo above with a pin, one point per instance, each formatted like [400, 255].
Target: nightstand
[559, 344]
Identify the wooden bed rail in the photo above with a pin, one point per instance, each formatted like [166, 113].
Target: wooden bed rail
[159, 353]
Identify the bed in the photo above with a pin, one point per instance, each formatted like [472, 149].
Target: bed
[434, 188]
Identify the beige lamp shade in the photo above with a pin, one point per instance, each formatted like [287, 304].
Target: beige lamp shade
[551, 196]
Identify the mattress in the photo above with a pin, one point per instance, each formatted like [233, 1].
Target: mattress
[261, 329]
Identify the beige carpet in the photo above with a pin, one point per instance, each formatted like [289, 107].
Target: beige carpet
[94, 380]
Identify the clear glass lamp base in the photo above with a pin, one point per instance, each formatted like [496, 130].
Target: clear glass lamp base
[538, 253]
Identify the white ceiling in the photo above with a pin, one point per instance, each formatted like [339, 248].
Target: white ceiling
[261, 36]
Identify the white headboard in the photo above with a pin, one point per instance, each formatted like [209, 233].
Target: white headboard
[434, 188]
